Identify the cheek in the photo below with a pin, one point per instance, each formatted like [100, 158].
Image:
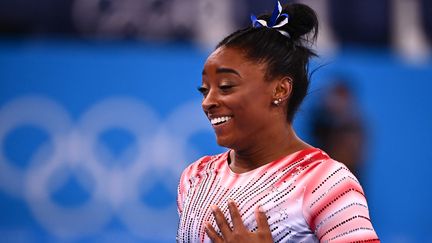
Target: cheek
[259, 99]
[250, 102]
[251, 107]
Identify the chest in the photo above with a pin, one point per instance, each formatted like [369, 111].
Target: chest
[280, 199]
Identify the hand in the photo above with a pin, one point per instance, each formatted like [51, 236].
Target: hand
[239, 233]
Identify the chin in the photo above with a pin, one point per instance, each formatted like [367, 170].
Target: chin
[224, 142]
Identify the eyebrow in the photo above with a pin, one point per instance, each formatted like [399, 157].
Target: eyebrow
[224, 70]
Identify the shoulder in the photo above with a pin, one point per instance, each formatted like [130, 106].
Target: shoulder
[330, 187]
[325, 174]
[334, 203]
[328, 181]
[319, 166]
[208, 162]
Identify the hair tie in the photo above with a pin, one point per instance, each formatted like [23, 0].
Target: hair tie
[277, 19]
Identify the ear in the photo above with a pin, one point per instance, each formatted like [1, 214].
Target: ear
[283, 88]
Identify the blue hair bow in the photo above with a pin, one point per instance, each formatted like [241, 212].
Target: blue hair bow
[277, 19]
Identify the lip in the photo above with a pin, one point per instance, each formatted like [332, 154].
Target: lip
[221, 124]
[219, 119]
[218, 128]
[212, 116]
[222, 128]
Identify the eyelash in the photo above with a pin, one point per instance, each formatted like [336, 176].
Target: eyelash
[202, 90]
[224, 88]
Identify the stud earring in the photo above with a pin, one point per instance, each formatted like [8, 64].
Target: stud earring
[276, 102]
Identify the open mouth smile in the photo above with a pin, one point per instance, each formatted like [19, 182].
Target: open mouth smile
[220, 120]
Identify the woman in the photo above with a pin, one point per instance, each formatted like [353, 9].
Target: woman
[270, 186]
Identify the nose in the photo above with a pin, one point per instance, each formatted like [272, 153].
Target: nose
[210, 101]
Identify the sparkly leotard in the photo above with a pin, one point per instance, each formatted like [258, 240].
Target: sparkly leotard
[307, 197]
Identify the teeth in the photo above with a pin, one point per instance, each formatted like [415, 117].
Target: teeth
[219, 120]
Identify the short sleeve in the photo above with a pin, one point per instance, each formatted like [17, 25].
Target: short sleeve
[185, 181]
[182, 190]
[335, 205]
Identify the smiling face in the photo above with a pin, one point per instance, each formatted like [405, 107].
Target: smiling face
[237, 99]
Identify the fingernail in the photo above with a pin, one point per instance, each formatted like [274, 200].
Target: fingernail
[231, 201]
[260, 209]
[213, 208]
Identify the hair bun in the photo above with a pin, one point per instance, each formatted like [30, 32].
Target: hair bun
[302, 22]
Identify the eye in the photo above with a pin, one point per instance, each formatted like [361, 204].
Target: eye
[226, 88]
[203, 90]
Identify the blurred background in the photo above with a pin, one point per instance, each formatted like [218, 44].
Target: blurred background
[99, 113]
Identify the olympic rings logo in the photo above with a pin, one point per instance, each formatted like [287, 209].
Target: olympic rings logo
[160, 153]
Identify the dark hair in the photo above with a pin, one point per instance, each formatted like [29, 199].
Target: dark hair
[284, 56]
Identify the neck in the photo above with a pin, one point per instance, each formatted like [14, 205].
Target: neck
[268, 149]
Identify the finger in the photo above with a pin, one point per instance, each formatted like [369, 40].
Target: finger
[221, 221]
[212, 234]
[261, 219]
[235, 215]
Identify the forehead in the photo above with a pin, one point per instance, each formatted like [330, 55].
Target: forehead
[230, 58]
